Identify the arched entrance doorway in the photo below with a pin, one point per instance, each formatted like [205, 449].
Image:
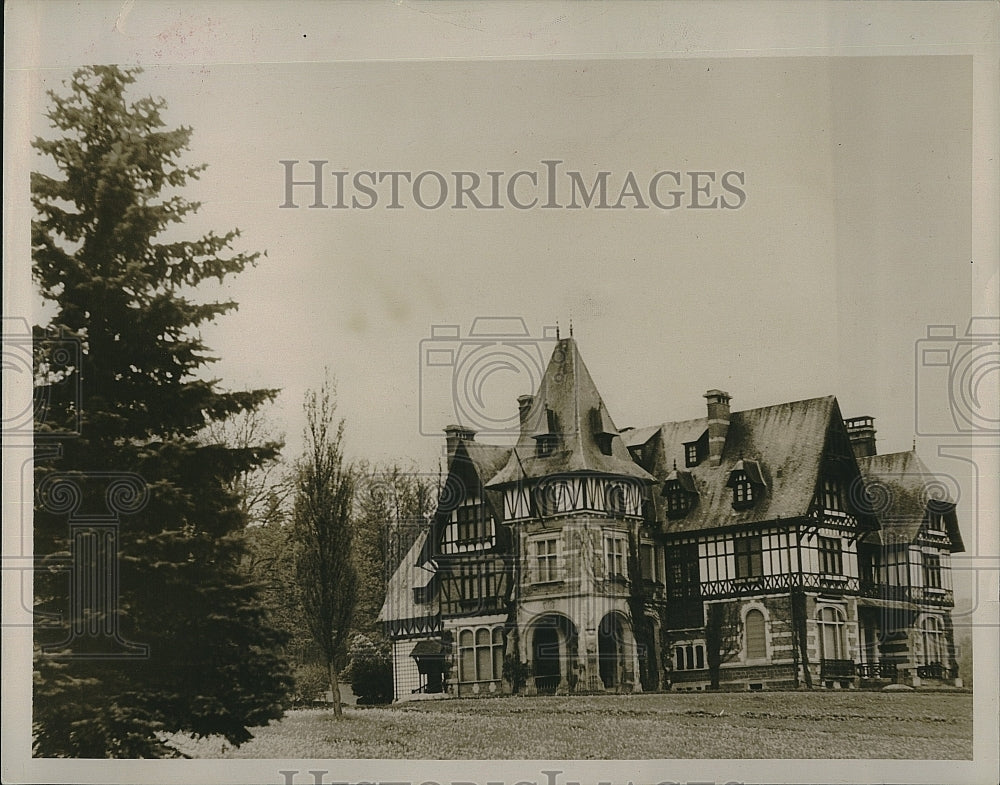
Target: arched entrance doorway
[614, 651]
[553, 649]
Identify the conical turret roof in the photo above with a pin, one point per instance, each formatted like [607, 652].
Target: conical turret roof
[568, 428]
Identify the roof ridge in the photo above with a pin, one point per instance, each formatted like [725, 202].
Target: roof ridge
[704, 418]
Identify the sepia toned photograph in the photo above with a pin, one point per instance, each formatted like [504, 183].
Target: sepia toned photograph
[502, 393]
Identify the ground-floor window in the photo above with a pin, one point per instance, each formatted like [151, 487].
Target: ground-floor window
[689, 657]
[933, 636]
[480, 654]
[756, 635]
[830, 622]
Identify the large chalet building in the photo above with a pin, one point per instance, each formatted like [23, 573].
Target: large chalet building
[757, 549]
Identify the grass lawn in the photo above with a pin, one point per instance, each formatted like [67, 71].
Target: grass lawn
[692, 725]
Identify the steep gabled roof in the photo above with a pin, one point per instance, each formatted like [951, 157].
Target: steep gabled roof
[488, 459]
[409, 575]
[469, 469]
[786, 441]
[568, 407]
[901, 491]
[473, 464]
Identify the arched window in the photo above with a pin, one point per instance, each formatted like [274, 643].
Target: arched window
[756, 637]
[467, 660]
[831, 633]
[934, 640]
[480, 654]
[497, 652]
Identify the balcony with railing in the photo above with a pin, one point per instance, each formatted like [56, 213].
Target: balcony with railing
[884, 591]
[878, 671]
[937, 670]
[836, 669]
[919, 594]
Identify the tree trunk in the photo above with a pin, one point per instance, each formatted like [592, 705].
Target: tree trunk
[801, 634]
[338, 709]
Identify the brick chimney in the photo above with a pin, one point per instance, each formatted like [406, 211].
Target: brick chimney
[861, 431]
[455, 434]
[718, 424]
[524, 403]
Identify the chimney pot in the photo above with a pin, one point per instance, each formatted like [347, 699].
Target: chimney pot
[861, 431]
[455, 434]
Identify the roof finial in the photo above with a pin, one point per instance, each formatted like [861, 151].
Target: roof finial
[571, 327]
[557, 329]
[675, 464]
[914, 442]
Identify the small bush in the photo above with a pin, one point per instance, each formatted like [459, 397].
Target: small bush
[311, 683]
[370, 670]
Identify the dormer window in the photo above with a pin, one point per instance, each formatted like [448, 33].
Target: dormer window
[603, 429]
[545, 444]
[743, 493]
[691, 454]
[679, 493]
[747, 483]
[695, 452]
[604, 442]
[935, 522]
[678, 502]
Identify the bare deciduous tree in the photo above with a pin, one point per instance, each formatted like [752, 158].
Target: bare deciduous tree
[324, 497]
[723, 636]
[264, 490]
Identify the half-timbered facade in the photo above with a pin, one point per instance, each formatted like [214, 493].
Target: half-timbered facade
[763, 548]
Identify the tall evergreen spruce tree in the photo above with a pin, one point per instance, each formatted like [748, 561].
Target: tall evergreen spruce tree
[183, 645]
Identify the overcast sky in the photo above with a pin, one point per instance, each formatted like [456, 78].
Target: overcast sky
[854, 235]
